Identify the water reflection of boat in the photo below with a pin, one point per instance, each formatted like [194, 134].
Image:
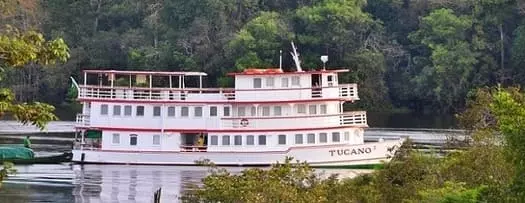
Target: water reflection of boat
[138, 183]
[114, 183]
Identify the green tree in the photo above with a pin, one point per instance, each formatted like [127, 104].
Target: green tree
[17, 49]
[509, 112]
[446, 79]
[258, 43]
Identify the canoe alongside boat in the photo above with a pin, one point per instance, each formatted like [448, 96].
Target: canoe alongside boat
[53, 159]
[22, 155]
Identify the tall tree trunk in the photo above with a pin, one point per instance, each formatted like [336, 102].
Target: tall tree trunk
[502, 47]
[97, 13]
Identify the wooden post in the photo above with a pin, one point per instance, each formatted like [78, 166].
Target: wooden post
[156, 195]
[150, 85]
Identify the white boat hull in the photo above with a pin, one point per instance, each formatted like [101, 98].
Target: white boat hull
[318, 156]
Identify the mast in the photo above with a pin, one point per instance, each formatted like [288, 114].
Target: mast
[295, 57]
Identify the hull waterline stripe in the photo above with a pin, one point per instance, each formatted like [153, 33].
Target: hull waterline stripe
[234, 164]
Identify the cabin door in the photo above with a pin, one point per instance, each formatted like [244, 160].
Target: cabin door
[194, 141]
[316, 80]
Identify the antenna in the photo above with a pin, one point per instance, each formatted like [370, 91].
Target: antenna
[295, 57]
[324, 59]
[281, 60]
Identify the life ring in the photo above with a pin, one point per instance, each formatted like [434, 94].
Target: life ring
[244, 122]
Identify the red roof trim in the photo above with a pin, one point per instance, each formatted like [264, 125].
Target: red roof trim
[214, 131]
[164, 73]
[291, 73]
[206, 102]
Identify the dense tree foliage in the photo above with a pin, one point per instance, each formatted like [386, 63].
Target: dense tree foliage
[420, 55]
[490, 170]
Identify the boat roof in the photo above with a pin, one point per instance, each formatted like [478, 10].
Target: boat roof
[252, 71]
[163, 73]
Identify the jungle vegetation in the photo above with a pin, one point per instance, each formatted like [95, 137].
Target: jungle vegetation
[416, 55]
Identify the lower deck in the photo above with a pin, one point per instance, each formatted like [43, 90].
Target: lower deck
[215, 142]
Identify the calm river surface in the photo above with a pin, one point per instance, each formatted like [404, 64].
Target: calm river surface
[126, 183]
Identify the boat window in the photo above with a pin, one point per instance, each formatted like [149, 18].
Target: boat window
[104, 109]
[296, 80]
[330, 80]
[226, 111]
[323, 108]
[171, 111]
[257, 83]
[156, 111]
[213, 111]
[301, 108]
[269, 82]
[184, 111]
[237, 140]
[214, 140]
[310, 138]
[284, 82]
[262, 139]
[336, 137]
[277, 111]
[241, 111]
[298, 138]
[282, 139]
[323, 137]
[312, 109]
[250, 140]
[116, 138]
[198, 111]
[253, 111]
[347, 136]
[140, 110]
[133, 140]
[266, 111]
[127, 110]
[156, 139]
[225, 140]
[116, 110]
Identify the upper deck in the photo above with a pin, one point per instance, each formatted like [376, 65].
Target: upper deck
[251, 86]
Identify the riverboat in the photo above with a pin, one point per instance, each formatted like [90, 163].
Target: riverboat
[169, 118]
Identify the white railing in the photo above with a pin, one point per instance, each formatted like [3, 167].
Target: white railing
[348, 91]
[357, 119]
[82, 120]
[149, 93]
